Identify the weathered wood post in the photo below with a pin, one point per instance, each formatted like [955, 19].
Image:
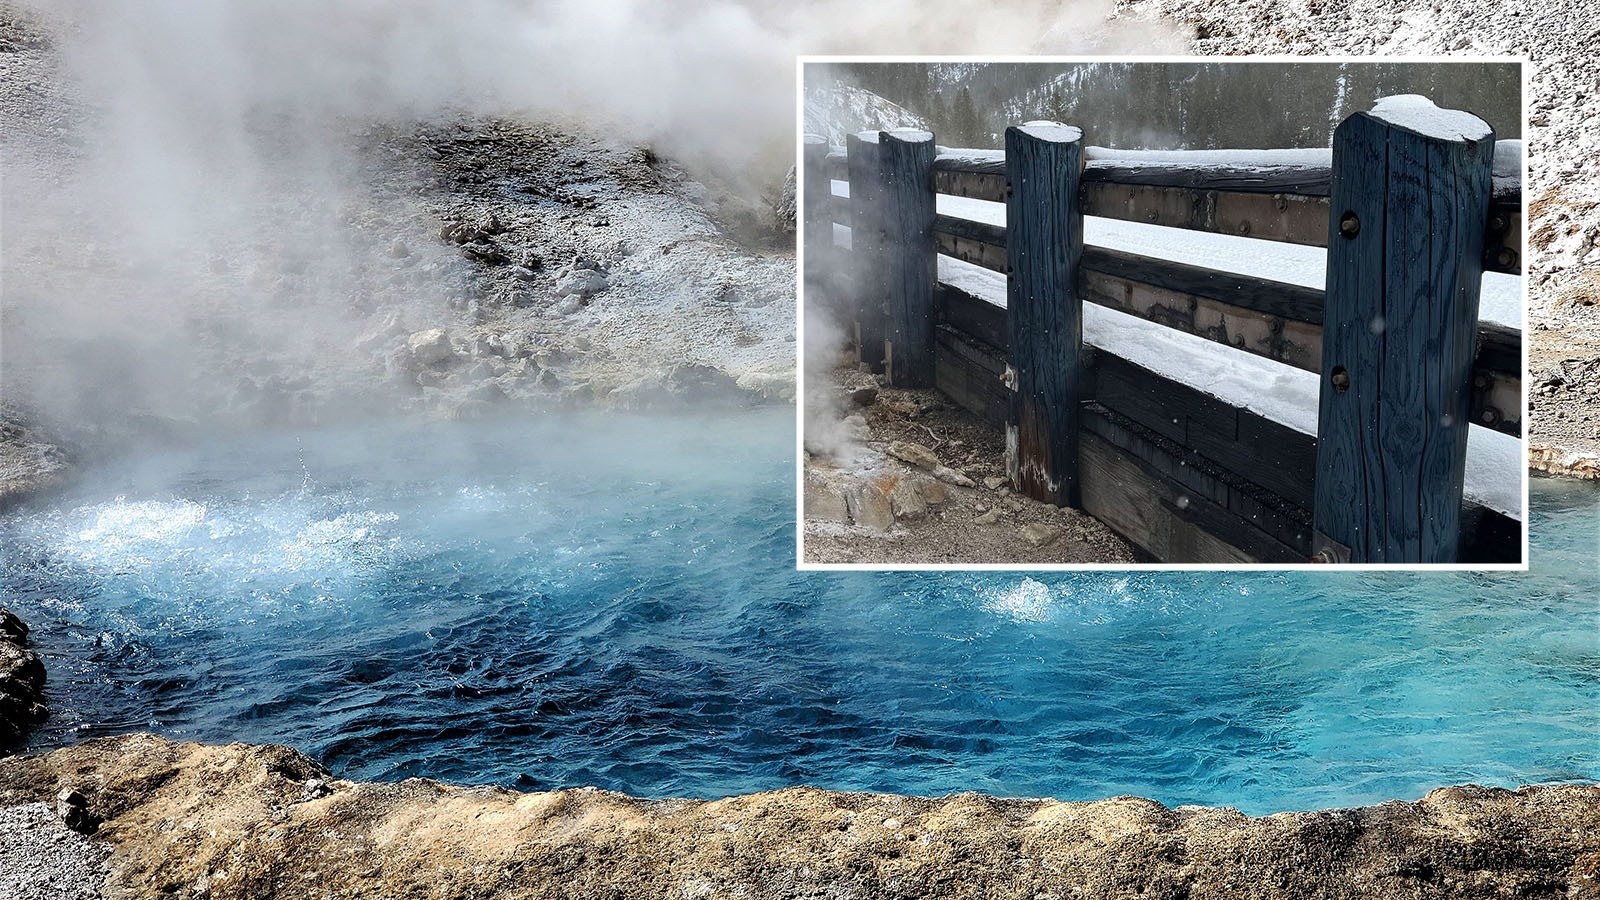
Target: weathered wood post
[1044, 243]
[891, 234]
[1411, 188]
[817, 236]
[910, 261]
[867, 290]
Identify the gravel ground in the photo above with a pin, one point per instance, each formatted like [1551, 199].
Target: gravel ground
[983, 523]
[41, 859]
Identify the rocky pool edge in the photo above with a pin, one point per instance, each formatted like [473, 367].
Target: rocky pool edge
[186, 819]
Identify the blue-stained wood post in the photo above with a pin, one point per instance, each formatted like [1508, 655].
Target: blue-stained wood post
[1044, 243]
[868, 295]
[817, 232]
[906, 210]
[894, 262]
[1411, 190]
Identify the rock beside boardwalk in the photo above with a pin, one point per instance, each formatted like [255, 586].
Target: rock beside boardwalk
[243, 821]
[21, 682]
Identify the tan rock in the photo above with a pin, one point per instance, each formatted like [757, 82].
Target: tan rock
[908, 498]
[947, 474]
[914, 454]
[870, 506]
[824, 501]
[1040, 534]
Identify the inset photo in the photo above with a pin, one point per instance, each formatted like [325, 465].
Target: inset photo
[1162, 313]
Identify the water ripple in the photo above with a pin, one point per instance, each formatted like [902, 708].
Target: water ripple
[603, 601]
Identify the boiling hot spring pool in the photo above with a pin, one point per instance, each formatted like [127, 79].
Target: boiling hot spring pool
[612, 601]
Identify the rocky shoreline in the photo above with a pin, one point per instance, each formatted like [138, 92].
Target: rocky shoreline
[248, 821]
[22, 677]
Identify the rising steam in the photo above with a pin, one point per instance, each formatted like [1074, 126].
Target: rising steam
[215, 226]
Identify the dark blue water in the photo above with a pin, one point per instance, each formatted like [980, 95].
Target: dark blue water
[614, 602]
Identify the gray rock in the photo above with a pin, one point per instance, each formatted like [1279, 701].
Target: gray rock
[22, 679]
[429, 347]
[864, 396]
[1039, 534]
[12, 628]
[993, 482]
[988, 518]
[583, 284]
[73, 808]
[315, 789]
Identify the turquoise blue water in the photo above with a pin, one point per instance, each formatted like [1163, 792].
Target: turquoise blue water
[607, 601]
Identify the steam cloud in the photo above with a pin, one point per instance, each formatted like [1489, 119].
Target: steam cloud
[205, 230]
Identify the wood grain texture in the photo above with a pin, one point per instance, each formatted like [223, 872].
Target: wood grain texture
[1292, 218]
[975, 317]
[868, 306]
[976, 185]
[1255, 449]
[1310, 181]
[978, 243]
[1044, 245]
[1401, 324]
[969, 373]
[1287, 301]
[906, 214]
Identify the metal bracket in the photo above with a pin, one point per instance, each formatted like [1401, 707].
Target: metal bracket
[1325, 549]
[1009, 377]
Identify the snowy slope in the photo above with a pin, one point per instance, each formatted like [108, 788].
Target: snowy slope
[846, 110]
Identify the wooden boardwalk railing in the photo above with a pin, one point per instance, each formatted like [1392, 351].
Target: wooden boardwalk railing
[1404, 363]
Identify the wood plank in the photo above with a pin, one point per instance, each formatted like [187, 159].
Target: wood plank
[970, 375]
[906, 213]
[1405, 260]
[1287, 301]
[1311, 181]
[1291, 218]
[976, 185]
[974, 316]
[978, 243]
[1293, 343]
[1252, 447]
[1044, 244]
[1148, 511]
